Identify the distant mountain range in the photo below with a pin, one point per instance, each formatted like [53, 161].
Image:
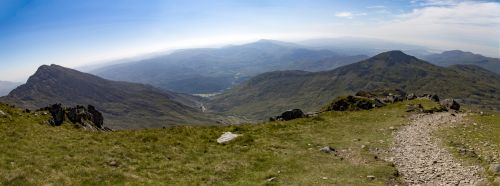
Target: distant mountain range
[362, 46]
[271, 93]
[456, 57]
[208, 70]
[124, 105]
[6, 87]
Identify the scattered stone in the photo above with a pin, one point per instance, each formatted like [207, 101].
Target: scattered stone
[450, 104]
[325, 178]
[411, 96]
[113, 163]
[378, 103]
[371, 177]
[289, 115]
[2, 113]
[420, 158]
[495, 168]
[226, 137]
[311, 114]
[414, 108]
[270, 179]
[327, 149]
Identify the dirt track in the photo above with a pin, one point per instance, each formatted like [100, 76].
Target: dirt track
[421, 159]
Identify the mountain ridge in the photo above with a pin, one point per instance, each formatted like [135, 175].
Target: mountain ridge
[187, 70]
[274, 92]
[453, 57]
[124, 105]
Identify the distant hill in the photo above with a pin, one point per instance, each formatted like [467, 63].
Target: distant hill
[363, 46]
[455, 57]
[124, 105]
[6, 87]
[271, 93]
[207, 70]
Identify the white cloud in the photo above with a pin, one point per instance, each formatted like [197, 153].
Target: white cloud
[348, 15]
[472, 26]
[344, 14]
[437, 2]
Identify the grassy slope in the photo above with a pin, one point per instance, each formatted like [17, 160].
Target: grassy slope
[271, 93]
[34, 153]
[480, 135]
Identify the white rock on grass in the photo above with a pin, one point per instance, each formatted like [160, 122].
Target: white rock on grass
[226, 137]
[2, 113]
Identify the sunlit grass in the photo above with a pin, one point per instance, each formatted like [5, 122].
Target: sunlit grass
[34, 153]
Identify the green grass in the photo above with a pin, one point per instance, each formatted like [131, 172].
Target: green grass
[479, 135]
[35, 154]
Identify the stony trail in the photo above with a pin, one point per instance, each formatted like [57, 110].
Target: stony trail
[421, 159]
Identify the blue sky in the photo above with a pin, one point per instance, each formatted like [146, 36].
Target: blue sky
[79, 32]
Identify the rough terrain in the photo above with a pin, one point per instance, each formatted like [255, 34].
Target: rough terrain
[421, 159]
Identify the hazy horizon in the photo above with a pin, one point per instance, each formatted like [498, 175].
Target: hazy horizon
[79, 33]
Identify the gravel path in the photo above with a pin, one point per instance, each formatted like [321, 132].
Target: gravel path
[421, 160]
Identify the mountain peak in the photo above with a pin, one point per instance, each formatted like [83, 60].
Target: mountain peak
[51, 67]
[393, 53]
[394, 56]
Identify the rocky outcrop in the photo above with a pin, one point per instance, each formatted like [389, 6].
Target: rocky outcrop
[289, 115]
[450, 104]
[411, 96]
[350, 103]
[87, 118]
[433, 97]
[384, 96]
[57, 113]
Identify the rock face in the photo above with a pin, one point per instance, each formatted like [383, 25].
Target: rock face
[88, 118]
[227, 137]
[289, 115]
[450, 104]
[57, 113]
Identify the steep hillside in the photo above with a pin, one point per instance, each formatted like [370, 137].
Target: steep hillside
[271, 93]
[6, 87]
[124, 105]
[456, 57]
[208, 70]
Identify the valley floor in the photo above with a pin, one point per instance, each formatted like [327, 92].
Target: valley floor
[274, 153]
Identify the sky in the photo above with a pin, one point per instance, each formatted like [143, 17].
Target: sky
[81, 32]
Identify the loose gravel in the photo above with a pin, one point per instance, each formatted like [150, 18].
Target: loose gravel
[421, 159]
